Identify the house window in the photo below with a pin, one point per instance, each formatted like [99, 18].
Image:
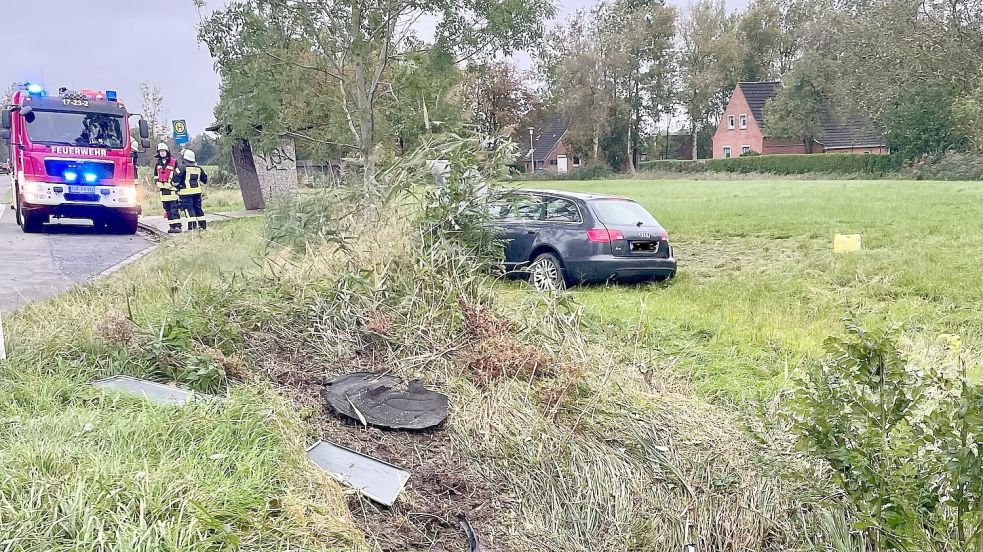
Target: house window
[576, 161]
[730, 122]
[743, 120]
[552, 161]
[726, 152]
[745, 149]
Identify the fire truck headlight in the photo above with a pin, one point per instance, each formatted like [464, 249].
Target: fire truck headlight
[129, 194]
[32, 188]
[71, 176]
[90, 177]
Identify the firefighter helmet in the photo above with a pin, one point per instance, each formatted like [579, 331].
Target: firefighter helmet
[163, 147]
[189, 156]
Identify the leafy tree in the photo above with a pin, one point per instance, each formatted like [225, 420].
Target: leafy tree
[579, 82]
[797, 110]
[327, 64]
[206, 149]
[152, 104]
[425, 86]
[967, 113]
[644, 30]
[760, 33]
[612, 71]
[708, 61]
[498, 96]
[923, 121]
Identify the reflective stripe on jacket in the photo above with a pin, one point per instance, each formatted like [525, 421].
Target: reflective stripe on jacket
[189, 179]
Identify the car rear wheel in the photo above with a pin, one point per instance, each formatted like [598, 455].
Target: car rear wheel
[546, 273]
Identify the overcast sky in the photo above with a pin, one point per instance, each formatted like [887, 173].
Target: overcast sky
[117, 44]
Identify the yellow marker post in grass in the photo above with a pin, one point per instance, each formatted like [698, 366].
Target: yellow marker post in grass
[846, 243]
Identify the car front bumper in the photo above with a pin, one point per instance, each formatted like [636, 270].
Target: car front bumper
[58, 200]
[603, 268]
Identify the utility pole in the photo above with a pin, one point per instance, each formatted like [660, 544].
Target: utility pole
[532, 152]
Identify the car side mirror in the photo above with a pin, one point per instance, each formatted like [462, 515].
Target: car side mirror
[6, 123]
[145, 143]
[144, 131]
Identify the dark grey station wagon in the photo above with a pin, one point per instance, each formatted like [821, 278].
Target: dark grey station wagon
[561, 238]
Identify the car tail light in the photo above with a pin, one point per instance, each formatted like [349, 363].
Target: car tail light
[603, 235]
[665, 235]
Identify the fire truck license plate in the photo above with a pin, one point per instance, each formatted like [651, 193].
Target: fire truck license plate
[80, 190]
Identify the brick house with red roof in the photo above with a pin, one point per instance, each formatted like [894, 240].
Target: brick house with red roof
[742, 128]
[549, 148]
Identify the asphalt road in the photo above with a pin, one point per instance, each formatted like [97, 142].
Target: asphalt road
[37, 266]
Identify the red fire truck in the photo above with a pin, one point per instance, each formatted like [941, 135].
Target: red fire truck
[71, 156]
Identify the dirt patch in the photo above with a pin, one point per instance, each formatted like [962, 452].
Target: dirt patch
[441, 489]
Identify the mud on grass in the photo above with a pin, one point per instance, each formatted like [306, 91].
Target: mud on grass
[441, 490]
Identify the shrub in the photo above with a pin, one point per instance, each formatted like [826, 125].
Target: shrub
[902, 439]
[592, 171]
[951, 166]
[223, 179]
[830, 163]
[673, 166]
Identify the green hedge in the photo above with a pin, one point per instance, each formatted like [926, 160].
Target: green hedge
[844, 163]
[593, 171]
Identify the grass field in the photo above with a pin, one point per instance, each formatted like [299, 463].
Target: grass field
[759, 287]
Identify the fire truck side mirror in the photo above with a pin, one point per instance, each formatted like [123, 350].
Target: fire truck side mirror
[27, 113]
[144, 131]
[5, 134]
[145, 143]
[6, 124]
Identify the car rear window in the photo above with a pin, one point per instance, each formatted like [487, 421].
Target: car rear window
[622, 212]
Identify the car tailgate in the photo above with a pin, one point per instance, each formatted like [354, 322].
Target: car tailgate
[639, 241]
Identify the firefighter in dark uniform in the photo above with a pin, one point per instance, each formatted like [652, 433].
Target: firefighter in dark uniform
[164, 168]
[189, 179]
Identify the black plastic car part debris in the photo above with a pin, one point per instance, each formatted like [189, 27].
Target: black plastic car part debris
[470, 534]
[378, 480]
[385, 401]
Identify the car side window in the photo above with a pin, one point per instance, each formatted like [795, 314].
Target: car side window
[562, 210]
[527, 208]
[499, 210]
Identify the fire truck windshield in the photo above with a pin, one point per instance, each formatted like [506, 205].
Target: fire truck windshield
[100, 130]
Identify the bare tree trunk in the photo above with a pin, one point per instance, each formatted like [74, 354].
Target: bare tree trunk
[631, 162]
[633, 134]
[696, 152]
